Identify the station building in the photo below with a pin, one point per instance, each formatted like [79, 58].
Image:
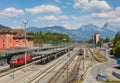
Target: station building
[14, 38]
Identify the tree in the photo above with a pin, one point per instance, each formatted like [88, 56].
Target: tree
[106, 40]
[116, 50]
[116, 39]
[116, 46]
[54, 38]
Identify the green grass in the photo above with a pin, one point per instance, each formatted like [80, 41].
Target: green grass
[99, 56]
[112, 82]
[79, 81]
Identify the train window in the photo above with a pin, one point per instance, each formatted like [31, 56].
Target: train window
[12, 59]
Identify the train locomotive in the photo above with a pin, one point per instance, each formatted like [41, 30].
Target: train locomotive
[19, 60]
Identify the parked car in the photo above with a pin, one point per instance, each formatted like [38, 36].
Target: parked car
[111, 56]
[101, 77]
[118, 61]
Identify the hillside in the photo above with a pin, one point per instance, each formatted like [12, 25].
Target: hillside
[84, 32]
[3, 27]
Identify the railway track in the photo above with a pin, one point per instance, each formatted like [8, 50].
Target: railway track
[38, 77]
[62, 70]
[72, 77]
[55, 78]
[74, 73]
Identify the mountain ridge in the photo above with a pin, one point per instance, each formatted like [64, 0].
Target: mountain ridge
[4, 27]
[84, 32]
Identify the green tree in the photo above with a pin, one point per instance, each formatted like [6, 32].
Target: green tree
[116, 46]
[106, 40]
[54, 38]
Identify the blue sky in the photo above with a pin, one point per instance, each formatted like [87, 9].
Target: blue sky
[68, 13]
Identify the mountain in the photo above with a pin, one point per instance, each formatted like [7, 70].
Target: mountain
[3, 27]
[84, 32]
[89, 29]
[58, 29]
[107, 26]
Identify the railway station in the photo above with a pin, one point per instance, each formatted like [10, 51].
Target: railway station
[44, 54]
[60, 41]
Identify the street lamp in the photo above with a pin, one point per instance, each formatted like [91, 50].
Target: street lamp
[67, 59]
[65, 41]
[25, 23]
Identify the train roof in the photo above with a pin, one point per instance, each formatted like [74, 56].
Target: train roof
[18, 51]
[49, 51]
[30, 49]
[17, 56]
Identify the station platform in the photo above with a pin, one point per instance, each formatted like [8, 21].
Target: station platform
[4, 67]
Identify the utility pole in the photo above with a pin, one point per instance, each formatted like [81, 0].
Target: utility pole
[93, 48]
[13, 68]
[83, 53]
[25, 23]
[67, 59]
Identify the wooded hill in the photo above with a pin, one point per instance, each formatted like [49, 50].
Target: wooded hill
[51, 38]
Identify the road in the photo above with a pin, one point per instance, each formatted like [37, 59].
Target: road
[99, 68]
[103, 66]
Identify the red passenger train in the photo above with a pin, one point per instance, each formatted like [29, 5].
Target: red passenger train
[20, 60]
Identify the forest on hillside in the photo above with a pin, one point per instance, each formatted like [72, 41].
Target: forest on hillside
[51, 38]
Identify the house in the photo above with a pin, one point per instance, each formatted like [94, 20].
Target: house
[15, 38]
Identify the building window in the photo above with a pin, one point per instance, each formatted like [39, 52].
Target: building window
[23, 45]
[3, 45]
[24, 40]
[10, 40]
[10, 45]
[17, 40]
[17, 46]
[3, 40]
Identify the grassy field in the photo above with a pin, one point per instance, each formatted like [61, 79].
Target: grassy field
[113, 82]
[99, 56]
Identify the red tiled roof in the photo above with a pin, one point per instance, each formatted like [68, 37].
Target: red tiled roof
[19, 33]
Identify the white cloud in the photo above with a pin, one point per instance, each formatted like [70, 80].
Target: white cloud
[44, 9]
[11, 12]
[48, 18]
[63, 17]
[53, 18]
[107, 15]
[117, 11]
[67, 25]
[92, 5]
[116, 20]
